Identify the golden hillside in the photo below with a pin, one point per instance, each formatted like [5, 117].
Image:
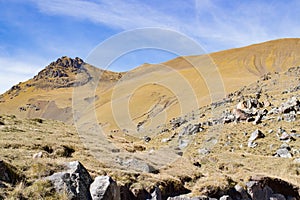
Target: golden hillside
[149, 94]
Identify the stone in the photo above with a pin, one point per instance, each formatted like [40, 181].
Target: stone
[38, 155]
[146, 138]
[164, 140]
[104, 188]
[183, 144]
[284, 136]
[283, 153]
[226, 197]
[254, 136]
[75, 181]
[156, 194]
[277, 197]
[259, 116]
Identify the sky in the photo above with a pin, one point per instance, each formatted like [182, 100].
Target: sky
[34, 33]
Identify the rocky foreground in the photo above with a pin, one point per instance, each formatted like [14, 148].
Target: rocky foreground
[246, 146]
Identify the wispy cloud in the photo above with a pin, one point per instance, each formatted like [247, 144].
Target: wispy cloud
[235, 24]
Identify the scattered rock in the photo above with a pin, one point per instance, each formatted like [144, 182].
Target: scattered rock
[104, 188]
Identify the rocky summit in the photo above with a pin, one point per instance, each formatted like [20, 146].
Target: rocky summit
[243, 145]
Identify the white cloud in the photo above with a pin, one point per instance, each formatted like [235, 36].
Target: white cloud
[15, 70]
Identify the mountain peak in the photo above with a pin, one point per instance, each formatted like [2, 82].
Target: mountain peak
[62, 67]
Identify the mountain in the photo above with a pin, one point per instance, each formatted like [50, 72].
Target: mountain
[193, 81]
[243, 146]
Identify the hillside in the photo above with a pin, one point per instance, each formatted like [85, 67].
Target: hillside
[245, 146]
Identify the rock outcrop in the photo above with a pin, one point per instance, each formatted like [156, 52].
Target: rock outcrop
[75, 181]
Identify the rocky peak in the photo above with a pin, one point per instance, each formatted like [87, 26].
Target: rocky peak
[62, 67]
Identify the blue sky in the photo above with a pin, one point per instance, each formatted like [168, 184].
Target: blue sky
[34, 33]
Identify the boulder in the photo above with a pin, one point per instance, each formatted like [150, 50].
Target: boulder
[75, 181]
[104, 188]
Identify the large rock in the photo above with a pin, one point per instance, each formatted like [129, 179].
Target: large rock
[104, 188]
[75, 181]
